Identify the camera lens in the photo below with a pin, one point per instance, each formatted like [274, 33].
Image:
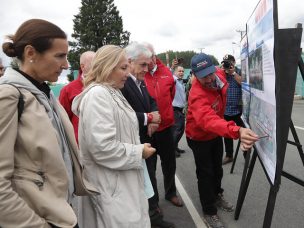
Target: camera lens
[226, 64]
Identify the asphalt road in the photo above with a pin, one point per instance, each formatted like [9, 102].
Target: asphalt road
[289, 207]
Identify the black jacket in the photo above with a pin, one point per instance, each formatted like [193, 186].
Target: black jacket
[141, 103]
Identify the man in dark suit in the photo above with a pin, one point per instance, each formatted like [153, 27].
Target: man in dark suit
[148, 117]
[160, 85]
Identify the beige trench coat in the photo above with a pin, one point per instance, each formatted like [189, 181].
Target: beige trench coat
[33, 177]
[112, 155]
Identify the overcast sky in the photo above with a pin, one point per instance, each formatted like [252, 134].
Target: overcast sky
[168, 25]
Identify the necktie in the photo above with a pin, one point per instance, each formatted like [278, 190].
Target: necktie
[139, 85]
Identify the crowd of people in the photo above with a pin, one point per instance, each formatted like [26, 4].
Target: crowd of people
[89, 158]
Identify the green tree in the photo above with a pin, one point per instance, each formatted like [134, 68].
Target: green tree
[70, 76]
[97, 24]
[214, 60]
[184, 55]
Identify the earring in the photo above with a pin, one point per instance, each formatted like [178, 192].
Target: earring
[31, 61]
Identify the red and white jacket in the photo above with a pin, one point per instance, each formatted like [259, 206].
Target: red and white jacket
[161, 87]
[205, 117]
[66, 97]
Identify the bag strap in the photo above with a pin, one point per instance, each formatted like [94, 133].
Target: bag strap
[20, 105]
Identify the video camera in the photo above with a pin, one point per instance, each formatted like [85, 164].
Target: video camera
[227, 65]
[228, 62]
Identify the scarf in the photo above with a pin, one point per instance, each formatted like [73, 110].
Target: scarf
[51, 106]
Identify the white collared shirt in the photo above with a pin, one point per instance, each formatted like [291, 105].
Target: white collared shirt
[137, 82]
[153, 70]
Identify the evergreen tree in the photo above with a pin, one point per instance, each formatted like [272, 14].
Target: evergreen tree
[70, 76]
[97, 24]
[184, 55]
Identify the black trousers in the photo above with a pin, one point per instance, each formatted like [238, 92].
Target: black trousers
[208, 160]
[179, 125]
[228, 141]
[164, 144]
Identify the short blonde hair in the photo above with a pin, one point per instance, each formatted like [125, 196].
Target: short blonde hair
[104, 62]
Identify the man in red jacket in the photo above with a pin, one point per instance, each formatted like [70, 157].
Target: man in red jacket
[205, 127]
[71, 90]
[160, 84]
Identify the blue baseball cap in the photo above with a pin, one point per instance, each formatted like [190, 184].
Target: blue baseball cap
[201, 65]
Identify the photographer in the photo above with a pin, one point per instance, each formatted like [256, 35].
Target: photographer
[233, 109]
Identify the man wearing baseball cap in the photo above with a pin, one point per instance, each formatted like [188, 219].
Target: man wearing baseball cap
[205, 127]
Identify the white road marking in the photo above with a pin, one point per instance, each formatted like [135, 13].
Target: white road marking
[188, 203]
[300, 128]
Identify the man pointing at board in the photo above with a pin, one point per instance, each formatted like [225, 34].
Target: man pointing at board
[205, 127]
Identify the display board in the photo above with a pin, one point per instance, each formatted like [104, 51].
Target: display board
[258, 86]
[269, 60]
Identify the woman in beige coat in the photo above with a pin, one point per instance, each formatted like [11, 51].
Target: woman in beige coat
[110, 147]
[39, 167]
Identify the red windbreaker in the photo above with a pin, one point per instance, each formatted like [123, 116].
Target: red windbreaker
[66, 97]
[161, 87]
[205, 117]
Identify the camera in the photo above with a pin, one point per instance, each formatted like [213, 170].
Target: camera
[180, 60]
[227, 65]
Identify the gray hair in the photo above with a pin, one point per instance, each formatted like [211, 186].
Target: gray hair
[135, 50]
[149, 46]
